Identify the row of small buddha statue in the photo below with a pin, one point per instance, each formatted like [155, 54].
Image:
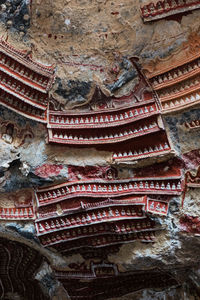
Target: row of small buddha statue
[165, 6]
[22, 70]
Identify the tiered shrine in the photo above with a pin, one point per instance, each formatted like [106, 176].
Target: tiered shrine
[97, 214]
[195, 124]
[132, 122]
[192, 181]
[16, 213]
[19, 263]
[104, 280]
[17, 206]
[24, 83]
[167, 8]
[176, 79]
[11, 133]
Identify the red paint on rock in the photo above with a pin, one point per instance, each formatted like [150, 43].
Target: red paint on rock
[192, 159]
[48, 170]
[88, 172]
[171, 168]
[190, 224]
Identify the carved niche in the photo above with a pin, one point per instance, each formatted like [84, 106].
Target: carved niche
[19, 263]
[103, 213]
[17, 205]
[166, 8]
[102, 280]
[176, 79]
[11, 133]
[24, 83]
[132, 122]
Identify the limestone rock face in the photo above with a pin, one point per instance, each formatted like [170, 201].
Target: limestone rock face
[100, 149]
[15, 15]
